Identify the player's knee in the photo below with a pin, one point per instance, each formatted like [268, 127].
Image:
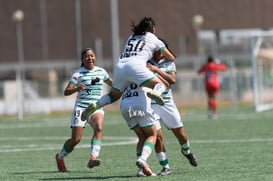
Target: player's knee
[159, 139]
[98, 128]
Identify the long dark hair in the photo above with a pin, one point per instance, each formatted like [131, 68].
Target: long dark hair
[146, 24]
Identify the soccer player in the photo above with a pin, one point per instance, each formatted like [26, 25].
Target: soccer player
[159, 149]
[136, 109]
[87, 82]
[169, 113]
[131, 67]
[212, 86]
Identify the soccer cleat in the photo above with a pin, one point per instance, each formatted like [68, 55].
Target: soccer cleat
[157, 98]
[214, 117]
[60, 164]
[145, 167]
[140, 173]
[89, 110]
[165, 171]
[191, 158]
[93, 162]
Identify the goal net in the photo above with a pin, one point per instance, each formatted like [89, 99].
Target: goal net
[262, 66]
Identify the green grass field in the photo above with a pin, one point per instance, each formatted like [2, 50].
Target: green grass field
[236, 147]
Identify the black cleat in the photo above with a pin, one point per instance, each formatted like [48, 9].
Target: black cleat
[191, 158]
[165, 171]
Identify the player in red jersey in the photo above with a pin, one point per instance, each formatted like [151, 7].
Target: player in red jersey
[212, 86]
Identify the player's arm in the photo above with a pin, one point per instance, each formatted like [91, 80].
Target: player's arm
[169, 77]
[72, 88]
[201, 70]
[109, 82]
[222, 67]
[167, 84]
[167, 54]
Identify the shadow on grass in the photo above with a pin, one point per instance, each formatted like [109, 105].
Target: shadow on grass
[90, 178]
[27, 173]
[73, 178]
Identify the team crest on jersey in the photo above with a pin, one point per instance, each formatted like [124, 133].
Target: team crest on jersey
[94, 81]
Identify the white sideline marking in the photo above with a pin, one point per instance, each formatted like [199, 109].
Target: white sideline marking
[33, 147]
[128, 141]
[63, 138]
[251, 140]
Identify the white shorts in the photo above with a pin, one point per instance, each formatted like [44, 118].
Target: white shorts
[136, 115]
[169, 115]
[76, 117]
[131, 71]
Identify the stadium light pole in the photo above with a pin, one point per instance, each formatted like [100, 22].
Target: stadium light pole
[18, 17]
[197, 22]
[78, 28]
[43, 14]
[114, 31]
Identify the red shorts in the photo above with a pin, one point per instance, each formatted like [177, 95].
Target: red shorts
[212, 88]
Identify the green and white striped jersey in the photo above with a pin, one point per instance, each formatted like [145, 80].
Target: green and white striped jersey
[93, 79]
[166, 66]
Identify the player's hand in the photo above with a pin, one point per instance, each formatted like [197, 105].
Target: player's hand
[81, 87]
[152, 67]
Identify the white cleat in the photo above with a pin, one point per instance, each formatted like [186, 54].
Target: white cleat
[157, 98]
